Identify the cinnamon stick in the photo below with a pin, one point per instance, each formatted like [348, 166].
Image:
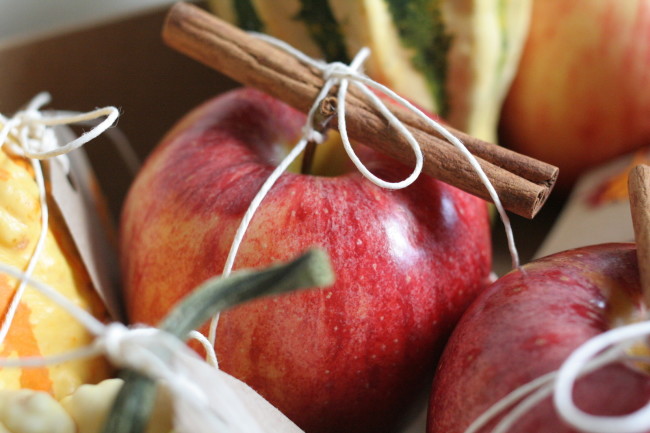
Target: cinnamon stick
[639, 192]
[522, 183]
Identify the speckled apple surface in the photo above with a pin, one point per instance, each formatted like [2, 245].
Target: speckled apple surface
[352, 357]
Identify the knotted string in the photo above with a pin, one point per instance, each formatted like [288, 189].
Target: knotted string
[29, 134]
[143, 349]
[340, 74]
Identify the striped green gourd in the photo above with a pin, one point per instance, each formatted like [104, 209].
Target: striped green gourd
[455, 58]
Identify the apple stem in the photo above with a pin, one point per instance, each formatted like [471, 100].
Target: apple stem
[320, 122]
[308, 158]
[639, 193]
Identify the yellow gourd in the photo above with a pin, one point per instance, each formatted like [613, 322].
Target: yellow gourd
[40, 327]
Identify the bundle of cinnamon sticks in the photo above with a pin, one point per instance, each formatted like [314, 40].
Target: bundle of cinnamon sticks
[522, 183]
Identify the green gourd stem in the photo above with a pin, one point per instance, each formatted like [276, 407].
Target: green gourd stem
[311, 269]
[134, 403]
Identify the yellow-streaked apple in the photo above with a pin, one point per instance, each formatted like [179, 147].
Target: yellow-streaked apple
[350, 358]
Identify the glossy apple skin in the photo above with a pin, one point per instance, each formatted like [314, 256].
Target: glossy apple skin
[352, 357]
[581, 95]
[526, 324]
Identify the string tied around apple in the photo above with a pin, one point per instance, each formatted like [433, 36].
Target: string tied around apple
[341, 75]
[615, 345]
[310, 134]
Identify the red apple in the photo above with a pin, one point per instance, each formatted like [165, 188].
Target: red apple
[351, 358]
[526, 324]
[581, 95]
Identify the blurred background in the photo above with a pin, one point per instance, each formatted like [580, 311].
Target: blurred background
[25, 18]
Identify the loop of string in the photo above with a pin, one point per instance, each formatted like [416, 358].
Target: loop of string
[343, 75]
[619, 341]
[595, 353]
[29, 134]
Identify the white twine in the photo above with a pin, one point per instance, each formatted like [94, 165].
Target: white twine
[620, 340]
[32, 135]
[600, 350]
[340, 74]
[29, 134]
[211, 356]
[155, 353]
